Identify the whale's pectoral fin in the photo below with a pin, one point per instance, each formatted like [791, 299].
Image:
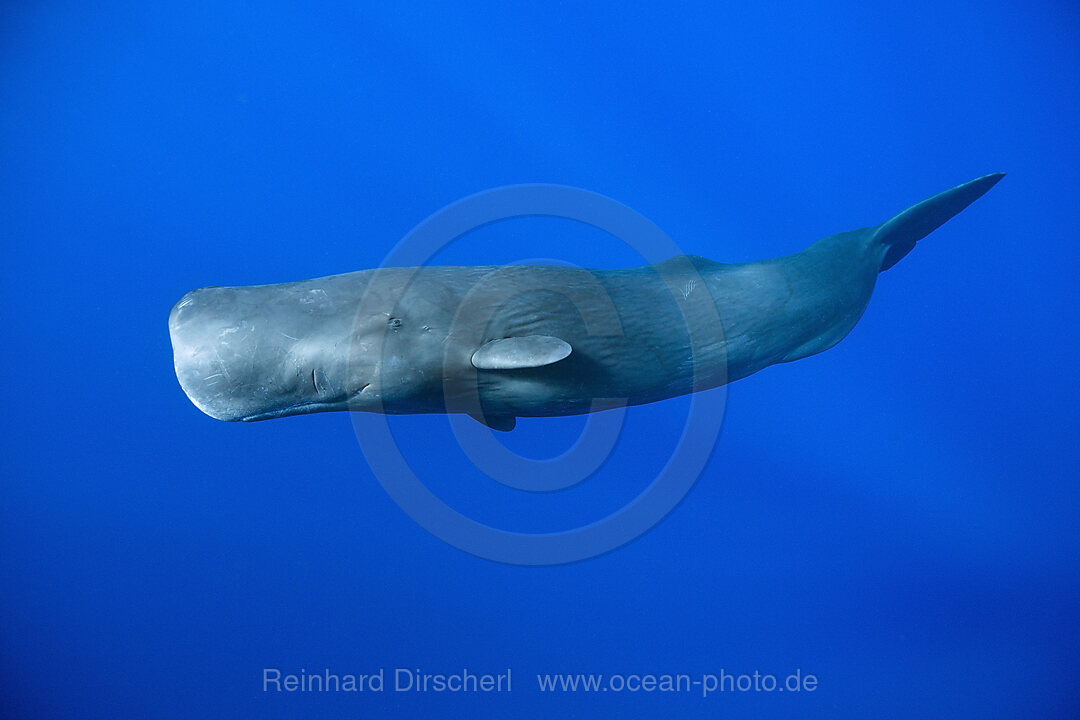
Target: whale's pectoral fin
[502, 423]
[519, 353]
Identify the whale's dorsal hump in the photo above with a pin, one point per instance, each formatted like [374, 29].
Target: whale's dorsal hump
[520, 353]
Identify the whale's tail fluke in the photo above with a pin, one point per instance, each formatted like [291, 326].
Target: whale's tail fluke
[900, 233]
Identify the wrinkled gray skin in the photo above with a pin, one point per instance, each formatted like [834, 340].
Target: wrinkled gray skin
[403, 340]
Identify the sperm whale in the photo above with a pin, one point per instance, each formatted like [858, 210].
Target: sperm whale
[503, 342]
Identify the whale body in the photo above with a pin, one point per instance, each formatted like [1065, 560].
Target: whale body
[502, 342]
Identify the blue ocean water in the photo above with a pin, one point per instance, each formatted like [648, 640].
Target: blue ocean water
[897, 517]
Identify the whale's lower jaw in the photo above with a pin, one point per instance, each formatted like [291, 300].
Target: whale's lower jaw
[305, 408]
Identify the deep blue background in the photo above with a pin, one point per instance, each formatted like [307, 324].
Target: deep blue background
[898, 516]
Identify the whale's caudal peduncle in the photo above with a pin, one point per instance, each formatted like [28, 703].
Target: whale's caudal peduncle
[515, 341]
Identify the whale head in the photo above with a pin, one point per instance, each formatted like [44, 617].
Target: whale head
[270, 351]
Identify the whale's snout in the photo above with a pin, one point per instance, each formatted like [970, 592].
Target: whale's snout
[255, 353]
[209, 343]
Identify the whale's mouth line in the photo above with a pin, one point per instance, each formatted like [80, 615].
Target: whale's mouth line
[307, 407]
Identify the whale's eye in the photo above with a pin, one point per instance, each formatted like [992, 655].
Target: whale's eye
[393, 323]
